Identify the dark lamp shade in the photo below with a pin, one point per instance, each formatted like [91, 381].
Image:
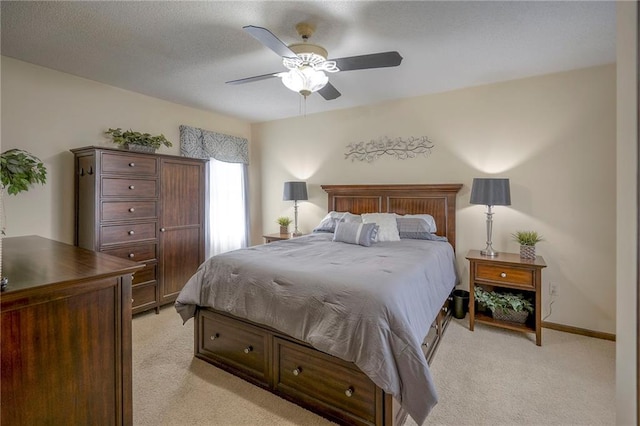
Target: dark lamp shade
[295, 191]
[491, 192]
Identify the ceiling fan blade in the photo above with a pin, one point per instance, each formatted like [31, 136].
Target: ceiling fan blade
[374, 60]
[267, 38]
[252, 79]
[329, 92]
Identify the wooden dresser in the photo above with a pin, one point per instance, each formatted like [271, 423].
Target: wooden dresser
[144, 207]
[66, 335]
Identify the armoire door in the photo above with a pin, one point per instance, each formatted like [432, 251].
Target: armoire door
[182, 198]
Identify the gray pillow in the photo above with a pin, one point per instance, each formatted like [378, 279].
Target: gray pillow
[414, 228]
[355, 233]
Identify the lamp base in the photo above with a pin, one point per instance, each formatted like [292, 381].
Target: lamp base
[296, 233]
[489, 252]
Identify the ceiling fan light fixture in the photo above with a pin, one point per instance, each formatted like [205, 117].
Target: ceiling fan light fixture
[304, 80]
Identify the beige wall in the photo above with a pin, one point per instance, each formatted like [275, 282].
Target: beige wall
[47, 113]
[553, 136]
[627, 213]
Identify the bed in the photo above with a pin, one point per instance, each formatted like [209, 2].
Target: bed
[343, 330]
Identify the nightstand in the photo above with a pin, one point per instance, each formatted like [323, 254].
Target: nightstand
[507, 271]
[269, 238]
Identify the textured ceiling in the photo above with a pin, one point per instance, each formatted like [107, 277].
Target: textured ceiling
[184, 52]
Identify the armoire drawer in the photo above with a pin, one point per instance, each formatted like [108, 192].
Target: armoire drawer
[243, 347]
[128, 233]
[128, 210]
[144, 295]
[139, 252]
[129, 163]
[146, 274]
[316, 378]
[127, 187]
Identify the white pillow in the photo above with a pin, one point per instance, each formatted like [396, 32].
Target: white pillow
[387, 222]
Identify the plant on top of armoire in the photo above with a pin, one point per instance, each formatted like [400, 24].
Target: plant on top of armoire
[137, 141]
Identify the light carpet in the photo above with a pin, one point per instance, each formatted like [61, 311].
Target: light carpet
[486, 377]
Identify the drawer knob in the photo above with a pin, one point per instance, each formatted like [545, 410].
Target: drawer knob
[349, 392]
[131, 232]
[162, 229]
[131, 255]
[132, 187]
[503, 274]
[132, 210]
[297, 371]
[248, 349]
[132, 164]
[214, 336]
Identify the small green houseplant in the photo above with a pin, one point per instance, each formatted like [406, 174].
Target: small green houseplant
[284, 223]
[527, 241]
[137, 141]
[504, 305]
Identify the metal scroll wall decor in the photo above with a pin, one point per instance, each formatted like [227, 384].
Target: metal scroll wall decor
[398, 148]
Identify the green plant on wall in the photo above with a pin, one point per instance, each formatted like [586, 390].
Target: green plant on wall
[129, 137]
[19, 170]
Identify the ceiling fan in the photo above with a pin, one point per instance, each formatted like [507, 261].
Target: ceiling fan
[307, 63]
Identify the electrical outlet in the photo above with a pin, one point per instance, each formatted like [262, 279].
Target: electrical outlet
[553, 289]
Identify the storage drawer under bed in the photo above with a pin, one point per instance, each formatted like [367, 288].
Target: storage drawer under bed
[317, 378]
[236, 346]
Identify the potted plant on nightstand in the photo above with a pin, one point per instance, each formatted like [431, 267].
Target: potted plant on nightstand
[284, 223]
[137, 141]
[527, 241]
[504, 306]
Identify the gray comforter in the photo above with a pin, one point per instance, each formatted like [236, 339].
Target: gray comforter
[372, 306]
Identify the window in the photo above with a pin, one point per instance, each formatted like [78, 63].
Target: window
[227, 224]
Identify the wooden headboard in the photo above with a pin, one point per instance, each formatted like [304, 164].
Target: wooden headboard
[438, 200]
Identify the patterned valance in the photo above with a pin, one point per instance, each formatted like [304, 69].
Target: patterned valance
[200, 143]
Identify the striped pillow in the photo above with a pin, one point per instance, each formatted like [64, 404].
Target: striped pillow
[355, 233]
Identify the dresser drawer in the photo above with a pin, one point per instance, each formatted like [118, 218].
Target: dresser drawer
[318, 378]
[138, 188]
[124, 210]
[242, 347]
[129, 163]
[517, 277]
[128, 233]
[140, 252]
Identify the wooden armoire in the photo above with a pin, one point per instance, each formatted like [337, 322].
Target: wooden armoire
[144, 207]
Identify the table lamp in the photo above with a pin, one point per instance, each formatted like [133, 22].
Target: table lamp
[296, 191]
[490, 192]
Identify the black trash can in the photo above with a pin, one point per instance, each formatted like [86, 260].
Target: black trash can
[460, 303]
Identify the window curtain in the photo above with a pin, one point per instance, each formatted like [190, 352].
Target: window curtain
[227, 226]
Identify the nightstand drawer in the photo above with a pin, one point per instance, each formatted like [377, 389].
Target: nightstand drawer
[505, 275]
